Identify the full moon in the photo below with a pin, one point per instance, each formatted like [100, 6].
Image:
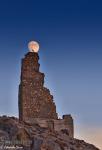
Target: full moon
[33, 46]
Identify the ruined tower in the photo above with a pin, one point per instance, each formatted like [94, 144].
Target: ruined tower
[35, 101]
[36, 105]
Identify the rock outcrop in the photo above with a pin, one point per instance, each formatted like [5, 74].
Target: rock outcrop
[22, 135]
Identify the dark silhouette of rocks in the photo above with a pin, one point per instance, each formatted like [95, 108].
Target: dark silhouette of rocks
[34, 137]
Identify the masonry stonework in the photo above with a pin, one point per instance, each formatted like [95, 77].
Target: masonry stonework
[36, 104]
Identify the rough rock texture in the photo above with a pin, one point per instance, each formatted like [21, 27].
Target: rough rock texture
[35, 101]
[64, 125]
[27, 137]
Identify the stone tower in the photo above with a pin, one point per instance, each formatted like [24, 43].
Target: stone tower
[35, 101]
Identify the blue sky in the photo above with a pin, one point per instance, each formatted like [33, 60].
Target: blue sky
[70, 36]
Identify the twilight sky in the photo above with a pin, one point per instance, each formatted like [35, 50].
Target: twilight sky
[70, 37]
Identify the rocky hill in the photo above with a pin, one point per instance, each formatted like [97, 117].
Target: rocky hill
[20, 135]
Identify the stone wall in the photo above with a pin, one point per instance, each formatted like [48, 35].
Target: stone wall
[64, 125]
[35, 101]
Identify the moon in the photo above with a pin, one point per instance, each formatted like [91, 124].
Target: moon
[33, 46]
